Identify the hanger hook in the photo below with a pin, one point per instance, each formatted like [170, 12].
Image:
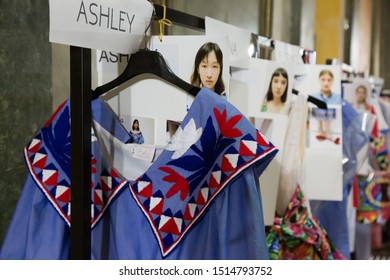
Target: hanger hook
[163, 21]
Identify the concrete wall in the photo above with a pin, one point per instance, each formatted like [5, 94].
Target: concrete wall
[25, 92]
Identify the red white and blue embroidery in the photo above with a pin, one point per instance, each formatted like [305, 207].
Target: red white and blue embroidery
[48, 160]
[175, 191]
[209, 164]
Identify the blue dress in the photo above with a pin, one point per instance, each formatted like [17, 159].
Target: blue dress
[200, 199]
[136, 137]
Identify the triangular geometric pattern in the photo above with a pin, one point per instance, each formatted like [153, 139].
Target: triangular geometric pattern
[98, 197]
[248, 146]
[200, 200]
[48, 160]
[49, 175]
[162, 219]
[104, 173]
[155, 203]
[178, 218]
[39, 157]
[170, 228]
[62, 193]
[171, 224]
[114, 174]
[103, 192]
[263, 142]
[39, 160]
[106, 183]
[203, 196]
[168, 225]
[34, 145]
[191, 211]
[215, 177]
[230, 160]
[110, 183]
[143, 186]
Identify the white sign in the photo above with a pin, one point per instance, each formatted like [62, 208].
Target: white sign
[285, 52]
[115, 25]
[239, 40]
[324, 135]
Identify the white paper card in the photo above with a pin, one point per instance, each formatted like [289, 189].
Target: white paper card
[324, 178]
[239, 40]
[288, 53]
[144, 152]
[115, 25]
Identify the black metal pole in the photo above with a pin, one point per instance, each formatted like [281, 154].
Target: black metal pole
[80, 102]
[180, 18]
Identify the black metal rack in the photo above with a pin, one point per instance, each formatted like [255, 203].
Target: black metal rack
[80, 127]
[80, 100]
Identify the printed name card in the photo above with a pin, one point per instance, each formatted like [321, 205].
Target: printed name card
[144, 152]
[115, 25]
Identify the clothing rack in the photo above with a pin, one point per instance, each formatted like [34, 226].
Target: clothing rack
[81, 109]
[80, 100]
[80, 167]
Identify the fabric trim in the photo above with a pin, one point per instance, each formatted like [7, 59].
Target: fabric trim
[222, 185]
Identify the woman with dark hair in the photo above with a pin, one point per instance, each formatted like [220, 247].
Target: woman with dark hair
[208, 66]
[136, 134]
[276, 97]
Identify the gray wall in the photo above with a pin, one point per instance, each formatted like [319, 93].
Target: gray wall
[25, 96]
[380, 58]
[244, 14]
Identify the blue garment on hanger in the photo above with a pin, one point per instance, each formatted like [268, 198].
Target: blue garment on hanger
[200, 199]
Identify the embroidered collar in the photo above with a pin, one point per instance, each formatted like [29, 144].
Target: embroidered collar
[213, 145]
